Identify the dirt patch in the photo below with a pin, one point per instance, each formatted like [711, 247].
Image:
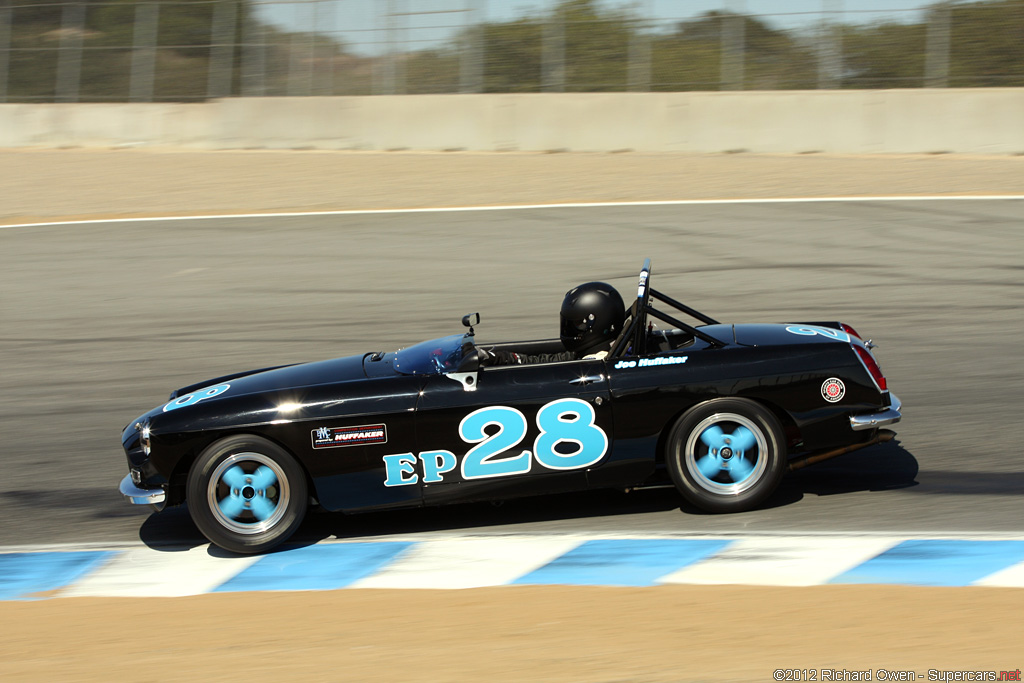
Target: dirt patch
[53, 184]
[668, 633]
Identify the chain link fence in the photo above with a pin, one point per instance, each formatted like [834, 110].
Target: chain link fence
[193, 50]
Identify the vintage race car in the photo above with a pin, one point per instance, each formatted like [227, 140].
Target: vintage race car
[721, 411]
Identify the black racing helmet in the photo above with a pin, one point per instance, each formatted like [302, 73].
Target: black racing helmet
[592, 315]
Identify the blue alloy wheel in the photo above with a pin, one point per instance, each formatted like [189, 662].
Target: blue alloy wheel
[246, 494]
[726, 455]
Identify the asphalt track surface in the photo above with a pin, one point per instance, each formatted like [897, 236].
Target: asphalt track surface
[99, 322]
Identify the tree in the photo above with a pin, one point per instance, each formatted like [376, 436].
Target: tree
[987, 44]
[690, 58]
[884, 55]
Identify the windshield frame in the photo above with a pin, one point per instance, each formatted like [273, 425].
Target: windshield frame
[434, 356]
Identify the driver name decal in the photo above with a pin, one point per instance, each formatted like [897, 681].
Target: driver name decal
[569, 439]
[336, 437]
[650, 362]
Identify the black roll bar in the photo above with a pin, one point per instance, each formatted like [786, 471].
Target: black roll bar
[683, 326]
[706, 319]
[636, 332]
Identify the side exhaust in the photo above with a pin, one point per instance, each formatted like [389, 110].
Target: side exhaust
[882, 436]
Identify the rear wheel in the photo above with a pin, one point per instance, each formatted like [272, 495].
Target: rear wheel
[246, 494]
[726, 455]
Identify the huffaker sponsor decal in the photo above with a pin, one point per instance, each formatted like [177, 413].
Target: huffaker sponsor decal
[336, 437]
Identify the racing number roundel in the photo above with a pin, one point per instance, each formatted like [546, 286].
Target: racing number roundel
[833, 389]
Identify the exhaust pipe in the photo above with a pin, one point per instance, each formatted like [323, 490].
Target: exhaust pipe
[882, 436]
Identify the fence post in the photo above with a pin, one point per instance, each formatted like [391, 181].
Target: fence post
[254, 58]
[552, 64]
[392, 81]
[300, 49]
[5, 46]
[936, 67]
[140, 86]
[222, 49]
[830, 45]
[471, 62]
[639, 67]
[323, 71]
[69, 55]
[731, 77]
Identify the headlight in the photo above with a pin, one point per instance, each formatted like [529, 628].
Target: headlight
[143, 429]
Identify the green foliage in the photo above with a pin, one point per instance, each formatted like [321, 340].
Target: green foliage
[432, 71]
[690, 58]
[987, 44]
[884, 56]
[512, 56]
[587, 45]
[108, 31]
[595, 44]
[986, 49]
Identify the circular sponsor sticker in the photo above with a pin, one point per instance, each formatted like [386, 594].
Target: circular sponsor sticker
[833, 389]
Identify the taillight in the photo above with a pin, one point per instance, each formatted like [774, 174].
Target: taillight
[872, 367]
[849, 330]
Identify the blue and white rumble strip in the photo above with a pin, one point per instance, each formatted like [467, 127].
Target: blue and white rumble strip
[477, 561]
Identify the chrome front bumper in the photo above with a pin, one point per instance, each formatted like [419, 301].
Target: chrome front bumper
[890, 415]
[140, 496]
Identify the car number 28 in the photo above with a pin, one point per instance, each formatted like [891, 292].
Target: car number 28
[565, 421]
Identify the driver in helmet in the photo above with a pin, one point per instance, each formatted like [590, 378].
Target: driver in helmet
[592, 316]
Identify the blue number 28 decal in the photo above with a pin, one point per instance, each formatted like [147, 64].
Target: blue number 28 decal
[569, 420]
[478, 463]
[568, 440]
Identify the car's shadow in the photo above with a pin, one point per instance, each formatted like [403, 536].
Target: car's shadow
[883, 467]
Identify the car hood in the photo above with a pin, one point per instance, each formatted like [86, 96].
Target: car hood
[347, 369]
[266, 380]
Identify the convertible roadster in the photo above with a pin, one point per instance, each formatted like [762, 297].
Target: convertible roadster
[720, 411]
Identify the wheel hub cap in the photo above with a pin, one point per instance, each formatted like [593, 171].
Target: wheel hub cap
[725, 453]
[248, 493]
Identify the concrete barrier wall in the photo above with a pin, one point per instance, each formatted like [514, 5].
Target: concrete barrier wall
[974, 120]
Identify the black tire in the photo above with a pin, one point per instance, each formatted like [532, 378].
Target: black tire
[708, 468]
[246, 494]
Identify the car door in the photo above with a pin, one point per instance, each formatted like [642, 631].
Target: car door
[512, 430]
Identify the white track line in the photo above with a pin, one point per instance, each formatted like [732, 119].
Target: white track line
[469, 563]
[1011, 577]
[520, 207]
[782, 561]
[144, 572]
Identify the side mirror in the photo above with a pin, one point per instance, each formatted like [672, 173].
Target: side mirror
[471, 320]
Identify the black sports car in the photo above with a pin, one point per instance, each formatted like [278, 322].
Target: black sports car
[721, 411]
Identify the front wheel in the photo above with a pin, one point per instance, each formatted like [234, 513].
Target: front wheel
[246, 494]
[726, 455]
